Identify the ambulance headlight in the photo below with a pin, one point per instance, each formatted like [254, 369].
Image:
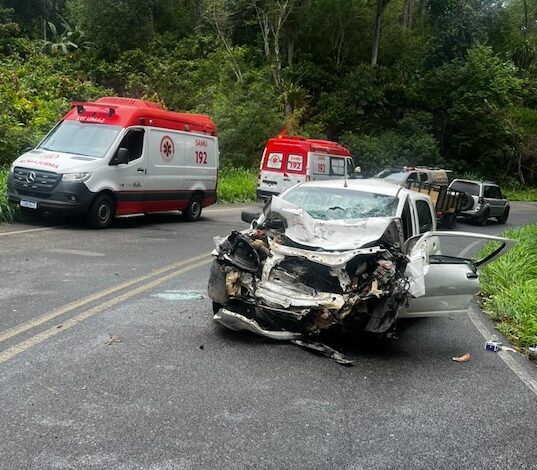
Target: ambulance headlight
[76, 177]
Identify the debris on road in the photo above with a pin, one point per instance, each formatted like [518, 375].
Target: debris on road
[493, 346]
[533, 352]
[114, 339]
[324, 350]
[464, 358]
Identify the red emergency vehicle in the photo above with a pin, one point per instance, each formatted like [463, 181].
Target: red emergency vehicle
[287, 161]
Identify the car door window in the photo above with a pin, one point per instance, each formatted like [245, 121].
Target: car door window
[423, 177]
[492, 192]
[406, 221]
[412, 178]
[425, 218]
[350, 166]
[133, 141]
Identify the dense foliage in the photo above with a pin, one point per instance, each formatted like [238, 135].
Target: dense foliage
[437, 82]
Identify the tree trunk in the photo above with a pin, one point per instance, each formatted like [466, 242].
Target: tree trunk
[408, 13]
[197, 16]
[381, 6]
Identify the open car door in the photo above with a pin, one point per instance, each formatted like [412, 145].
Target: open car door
[444, 270]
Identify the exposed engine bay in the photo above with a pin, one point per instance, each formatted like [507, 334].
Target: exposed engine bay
[282, 280]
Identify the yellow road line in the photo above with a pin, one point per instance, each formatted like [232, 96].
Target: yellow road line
[44, 335]
[18, 329]
[16, 232]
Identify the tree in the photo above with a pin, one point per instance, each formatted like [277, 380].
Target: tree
[377, 26]
[114, 25]
[272, 17]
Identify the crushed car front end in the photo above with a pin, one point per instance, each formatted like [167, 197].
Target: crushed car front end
[293, 276]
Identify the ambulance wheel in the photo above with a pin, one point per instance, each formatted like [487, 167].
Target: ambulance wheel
[193, 210]
[101, 212]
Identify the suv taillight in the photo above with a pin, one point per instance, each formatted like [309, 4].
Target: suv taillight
[480, 200]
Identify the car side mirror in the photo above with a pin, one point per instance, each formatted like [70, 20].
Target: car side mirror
[249, 216]
[121, 157]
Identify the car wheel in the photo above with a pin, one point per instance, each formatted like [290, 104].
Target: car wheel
[503, 218]
[193, 210]
[467, 202]
[449, 220]
[102, 212]
[484, 217]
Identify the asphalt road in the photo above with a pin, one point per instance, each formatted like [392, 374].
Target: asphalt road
[109, 359]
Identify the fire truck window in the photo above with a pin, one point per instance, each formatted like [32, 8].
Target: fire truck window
[134, 142]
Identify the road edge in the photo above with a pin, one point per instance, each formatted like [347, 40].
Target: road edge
[518, 364]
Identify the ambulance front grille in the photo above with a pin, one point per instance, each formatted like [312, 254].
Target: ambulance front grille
[35, 180]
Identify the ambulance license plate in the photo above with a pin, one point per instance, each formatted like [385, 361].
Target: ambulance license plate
[28, 204]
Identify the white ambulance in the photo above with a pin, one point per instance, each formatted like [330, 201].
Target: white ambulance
[119, 156]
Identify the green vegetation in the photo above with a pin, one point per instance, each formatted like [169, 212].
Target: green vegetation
[7, 212]
[435, 82]
[510, 288]
[520, 193]
[236, 185]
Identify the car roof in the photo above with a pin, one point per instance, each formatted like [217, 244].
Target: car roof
[371, 185]
[490, 183]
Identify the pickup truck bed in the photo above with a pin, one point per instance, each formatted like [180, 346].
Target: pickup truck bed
[447, 202]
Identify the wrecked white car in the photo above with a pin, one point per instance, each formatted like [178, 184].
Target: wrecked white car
[352, 255]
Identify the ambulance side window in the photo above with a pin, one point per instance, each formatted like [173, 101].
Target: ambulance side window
[337, 166]
[133, 141]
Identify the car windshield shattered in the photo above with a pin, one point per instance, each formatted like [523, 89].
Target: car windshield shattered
[341, 204]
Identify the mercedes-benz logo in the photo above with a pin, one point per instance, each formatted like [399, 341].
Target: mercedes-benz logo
[30, 177]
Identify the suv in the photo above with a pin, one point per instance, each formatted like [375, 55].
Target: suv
[483, 200]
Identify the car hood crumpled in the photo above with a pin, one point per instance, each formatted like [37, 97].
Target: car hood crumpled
[334, 235]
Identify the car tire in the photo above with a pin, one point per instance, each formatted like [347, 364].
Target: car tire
[193, 210]
[467, 202]
[484, 217]
[102, 212]
[503, 218]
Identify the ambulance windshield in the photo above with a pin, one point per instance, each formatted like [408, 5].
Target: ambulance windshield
[93, 140]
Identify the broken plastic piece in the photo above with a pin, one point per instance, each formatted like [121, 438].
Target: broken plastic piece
[493, 346]
[324, 350]
[464, 358]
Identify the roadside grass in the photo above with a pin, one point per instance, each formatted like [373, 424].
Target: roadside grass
[520, 193]
[509, 287]
[7, 211]
[236, 184]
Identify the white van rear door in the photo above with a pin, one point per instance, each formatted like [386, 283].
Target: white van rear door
[280, 173]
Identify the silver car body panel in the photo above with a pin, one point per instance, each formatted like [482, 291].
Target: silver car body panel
[448, 287]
